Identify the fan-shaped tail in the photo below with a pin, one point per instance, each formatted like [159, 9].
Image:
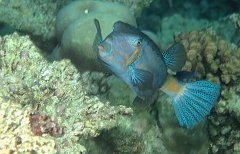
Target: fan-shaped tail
[193, 100]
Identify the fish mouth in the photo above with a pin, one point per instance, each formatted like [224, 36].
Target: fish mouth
[105, 49]
[102, 50]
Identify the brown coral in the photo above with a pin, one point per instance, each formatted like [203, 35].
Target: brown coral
[43, 124]
[210, 56]
[16, 136]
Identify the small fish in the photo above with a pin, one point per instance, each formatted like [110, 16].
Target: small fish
[136, 59]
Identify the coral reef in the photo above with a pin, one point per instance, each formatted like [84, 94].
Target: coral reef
[38, 17]
[84, 119]
[16, 136]
[77, 101]
[91, 106]
[58, 90]
[28, 78]
[137, 134]
[210, 56]
[217, 60]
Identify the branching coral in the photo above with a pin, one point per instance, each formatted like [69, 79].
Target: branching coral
[210, 56]
[217, 60]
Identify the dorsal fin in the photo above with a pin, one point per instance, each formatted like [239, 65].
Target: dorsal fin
[175, 57]
[98, 36]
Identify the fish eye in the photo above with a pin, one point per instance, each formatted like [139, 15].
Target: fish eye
[137, 42]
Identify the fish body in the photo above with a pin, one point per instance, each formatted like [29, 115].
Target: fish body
[136, 59]
[133, 57]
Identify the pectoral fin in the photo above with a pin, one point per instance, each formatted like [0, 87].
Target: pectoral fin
[141, 78]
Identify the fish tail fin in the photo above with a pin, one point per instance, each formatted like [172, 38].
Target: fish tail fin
[175, 57]
[192, 100]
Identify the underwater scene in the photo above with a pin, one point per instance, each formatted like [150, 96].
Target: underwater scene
[119, 77]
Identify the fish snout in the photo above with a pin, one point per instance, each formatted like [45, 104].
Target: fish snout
[101, 48]
[104, 49]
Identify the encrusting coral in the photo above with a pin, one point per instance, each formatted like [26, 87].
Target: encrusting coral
[210, 56]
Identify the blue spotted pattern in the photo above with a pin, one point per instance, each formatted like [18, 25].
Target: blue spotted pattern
[195, 102]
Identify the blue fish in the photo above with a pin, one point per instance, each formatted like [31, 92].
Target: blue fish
[136, 59]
